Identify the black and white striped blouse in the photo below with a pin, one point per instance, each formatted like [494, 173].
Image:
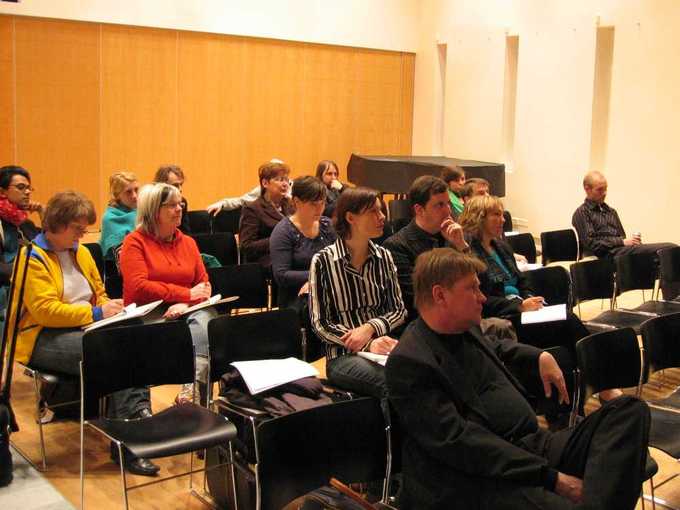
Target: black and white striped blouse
[343, 298]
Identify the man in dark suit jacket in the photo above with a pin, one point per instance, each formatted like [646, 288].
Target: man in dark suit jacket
[471, 439]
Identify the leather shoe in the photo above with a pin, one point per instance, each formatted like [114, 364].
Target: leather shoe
[136, 466]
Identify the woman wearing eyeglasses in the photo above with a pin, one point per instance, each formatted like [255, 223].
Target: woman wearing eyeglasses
[158, 261]
[259, 218]
[64, 292]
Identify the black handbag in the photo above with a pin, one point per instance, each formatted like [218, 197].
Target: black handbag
[8, 423]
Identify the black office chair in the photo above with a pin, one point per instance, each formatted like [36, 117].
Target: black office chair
[98, 256]
[113, 281]
[227, 221]
[221, 245]
[553, 283]
[302, 451]
[610, 360]
[661, 341]
[594, 279]
[638, 271]
[507, 225]
[247, 281]
[199, 222]
[523, 244]
[559, 245]
[669, 267]
[400, 209]
[143, 355]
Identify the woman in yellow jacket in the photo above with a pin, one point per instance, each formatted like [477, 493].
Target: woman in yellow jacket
[64, 292]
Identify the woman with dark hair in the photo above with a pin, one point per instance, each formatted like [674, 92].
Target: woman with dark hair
[355, 300]
[259, 218]
[296, 239]
[327, 172]
[64, 292]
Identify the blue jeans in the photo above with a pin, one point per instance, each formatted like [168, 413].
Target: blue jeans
[354, 373]
[61, 349]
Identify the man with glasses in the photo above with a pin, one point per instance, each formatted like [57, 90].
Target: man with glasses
[15, 207]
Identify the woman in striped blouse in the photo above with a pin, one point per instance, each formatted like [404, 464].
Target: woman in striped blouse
[355, 301]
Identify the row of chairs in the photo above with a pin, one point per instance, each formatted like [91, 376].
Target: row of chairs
[614, 359]
[202, 222]
[556, 246]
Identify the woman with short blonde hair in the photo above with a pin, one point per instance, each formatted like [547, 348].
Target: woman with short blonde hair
[119, 217]
[158, 261]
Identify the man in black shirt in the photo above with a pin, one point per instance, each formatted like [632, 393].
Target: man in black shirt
[470, 439]
[601, 233]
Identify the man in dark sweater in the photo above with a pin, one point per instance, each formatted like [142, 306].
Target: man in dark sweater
[470, 438]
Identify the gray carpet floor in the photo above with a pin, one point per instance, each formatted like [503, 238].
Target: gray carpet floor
[30, 490]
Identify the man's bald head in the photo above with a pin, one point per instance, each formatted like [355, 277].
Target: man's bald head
[595, 186]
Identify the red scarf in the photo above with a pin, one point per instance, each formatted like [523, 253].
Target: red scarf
[11, 213]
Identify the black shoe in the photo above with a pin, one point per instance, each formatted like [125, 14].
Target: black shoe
[136, 466]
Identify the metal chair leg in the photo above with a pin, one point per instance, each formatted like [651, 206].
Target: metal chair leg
[39, 420]
[121, 463]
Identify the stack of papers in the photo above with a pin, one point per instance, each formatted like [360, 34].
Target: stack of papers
[545, 314]
[380, 359]
[129, 312]
[215, 300]
[265, 374]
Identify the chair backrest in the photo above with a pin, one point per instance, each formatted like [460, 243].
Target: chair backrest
[592, 279]
[400, 209]
[199, 222]
[661, 341]
[273, 334]
[558, 245]
[523, 244]
[227, 221]
[608, 360]
[247, 281]
[115, 358]
[507, 225]
[98, 256]
[669, 264]
[635, 271]
[553, 283]
[302, 451]
[221, 245]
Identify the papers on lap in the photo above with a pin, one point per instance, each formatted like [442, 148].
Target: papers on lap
[265, 374]
[215, 300]
[380, 359]
[545, 314]
[131, 311]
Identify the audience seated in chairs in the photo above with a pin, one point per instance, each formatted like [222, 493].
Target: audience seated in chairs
[454, 177]
[327, 172]
[158, 261]
[121, 214]
[471, 439]
[63, 292]
[174, 176]
[15, 206]
[601, 233]
[296, 239]
[259, 218]
[355, 300]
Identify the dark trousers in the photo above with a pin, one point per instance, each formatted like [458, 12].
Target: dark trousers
[670, 290]
[551, 334]
[61, 349]
[607, 450]
[359, 375]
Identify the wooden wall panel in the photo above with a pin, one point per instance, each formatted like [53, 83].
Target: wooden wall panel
[57, 97]
[139, 100]
[6, 90]
[93, 99]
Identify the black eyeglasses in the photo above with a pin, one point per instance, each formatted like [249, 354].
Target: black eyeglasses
[24, 187]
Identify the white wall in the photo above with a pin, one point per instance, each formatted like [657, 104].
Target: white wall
[379, 24]
[554, 102]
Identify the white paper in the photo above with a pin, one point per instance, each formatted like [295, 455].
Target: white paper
[380, 359]
[526, 266]
[265, 374]
[545, 314]
[129, 312]
[214, 300]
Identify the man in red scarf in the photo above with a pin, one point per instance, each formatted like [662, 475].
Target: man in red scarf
[15, 206]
